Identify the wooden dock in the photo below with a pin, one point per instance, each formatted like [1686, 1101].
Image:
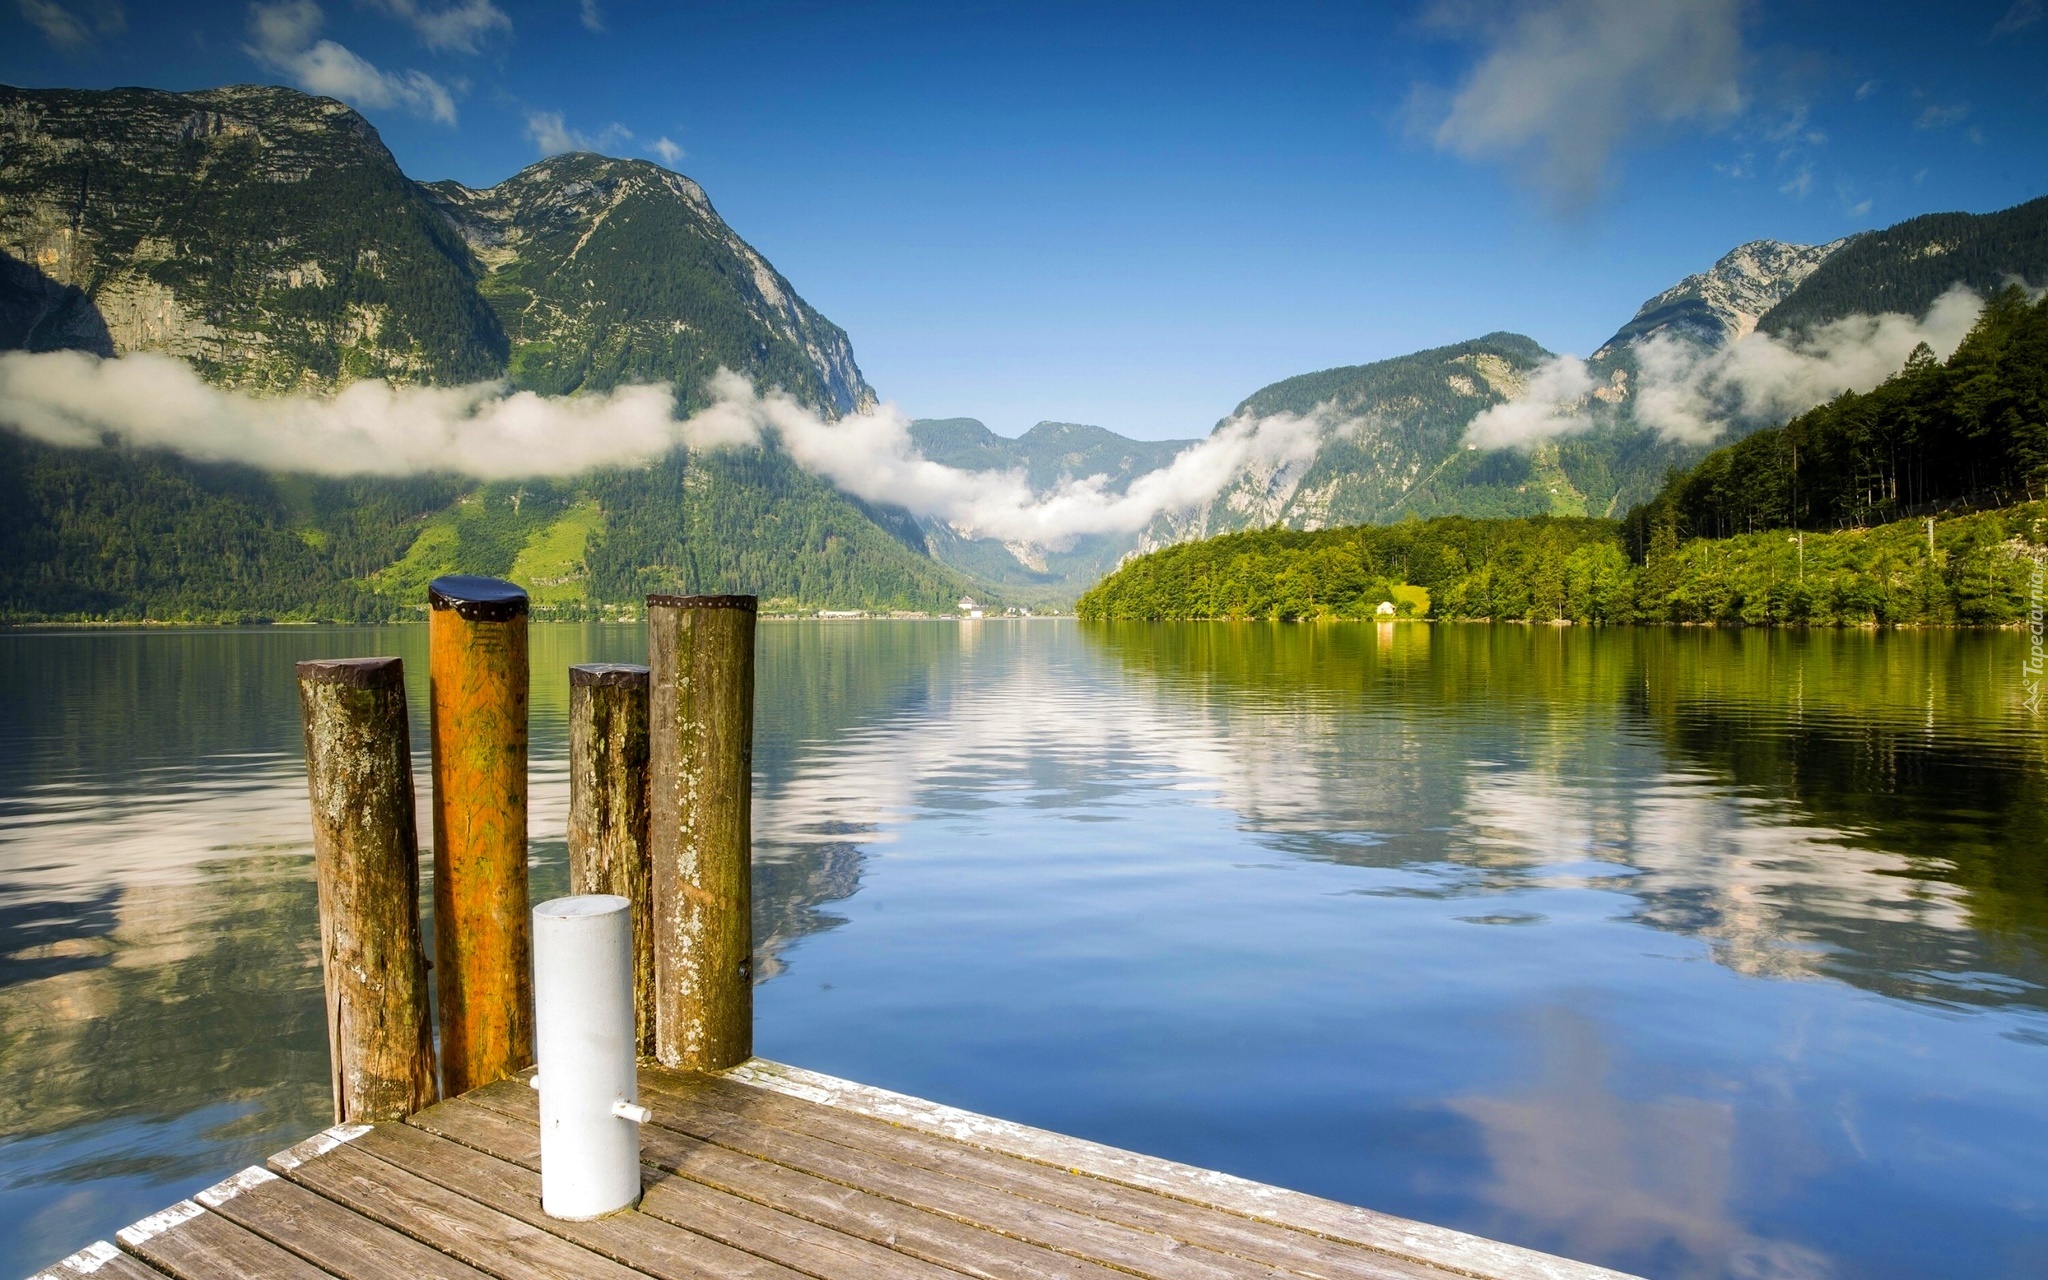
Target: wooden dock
[748, 1170]
[768, 1172]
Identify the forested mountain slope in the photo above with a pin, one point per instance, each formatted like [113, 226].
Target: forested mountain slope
[1907, 266]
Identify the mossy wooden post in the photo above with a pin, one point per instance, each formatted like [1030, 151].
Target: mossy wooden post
[477, 678]
[608, 809]
[700, 827]
[366, 863]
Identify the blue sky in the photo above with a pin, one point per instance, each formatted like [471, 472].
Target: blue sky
[1135, 215]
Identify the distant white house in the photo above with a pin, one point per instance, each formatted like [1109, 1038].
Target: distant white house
[842, 613]
[968, 608]
[1386, 609]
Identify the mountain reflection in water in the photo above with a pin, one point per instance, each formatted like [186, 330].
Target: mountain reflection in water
[1697, 953]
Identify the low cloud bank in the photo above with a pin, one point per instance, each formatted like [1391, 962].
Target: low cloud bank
[367, 428]
[485, 430]
[1688, 393]
[872, 456]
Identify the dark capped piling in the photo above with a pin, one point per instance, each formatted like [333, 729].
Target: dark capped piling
[477, 674]
[700, 824]
[608, 850]
[366, 863]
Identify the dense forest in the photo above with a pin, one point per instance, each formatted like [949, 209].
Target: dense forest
[1968, 431]
[1906, 266]
[1971, 569]
[1800, 524]
[127, 535]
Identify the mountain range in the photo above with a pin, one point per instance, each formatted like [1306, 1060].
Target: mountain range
[269, 239]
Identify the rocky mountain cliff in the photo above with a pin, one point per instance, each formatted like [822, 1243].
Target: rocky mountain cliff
[1723, 303]
[603, 272]
[264, 235]
[269, 238]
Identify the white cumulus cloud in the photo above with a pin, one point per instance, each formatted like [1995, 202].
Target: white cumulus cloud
[1562, 85]
[1689, 393]
[670, 153]
[367, 428]
[77, 26]
[284, 37]
[872, 456]
[1551, 404]
[552, 134]
[462, 27]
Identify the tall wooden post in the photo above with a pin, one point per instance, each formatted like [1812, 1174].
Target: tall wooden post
[700, 827]
[366, 862]
[476, 666]
[608, 809]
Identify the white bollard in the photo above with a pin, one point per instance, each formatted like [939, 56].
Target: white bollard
[584, 1039]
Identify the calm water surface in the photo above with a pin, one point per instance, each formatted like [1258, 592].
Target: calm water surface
[1693, 953]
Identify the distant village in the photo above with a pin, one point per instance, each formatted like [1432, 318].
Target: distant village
[968, 609]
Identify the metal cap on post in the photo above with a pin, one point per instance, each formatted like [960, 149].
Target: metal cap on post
[700, 724]
[477, 689]
[608, 807]
[366, 863]
[590, 1113]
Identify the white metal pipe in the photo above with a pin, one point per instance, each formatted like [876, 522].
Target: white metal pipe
[590, 1113]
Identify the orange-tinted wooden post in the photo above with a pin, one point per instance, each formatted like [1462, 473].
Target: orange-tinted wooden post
[477, 676]
[700, 770]
[366, 861]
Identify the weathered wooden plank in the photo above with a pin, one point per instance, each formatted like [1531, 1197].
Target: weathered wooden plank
[935, 1238]
[450, 1221]
[633, 1240]
[709, 1107]
[100, 1260]
[339, 1240]
[1439, 1246]
[189, 1243]
[780, 1237]
[1080, 1234]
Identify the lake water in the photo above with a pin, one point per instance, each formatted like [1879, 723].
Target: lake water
[1694, 953]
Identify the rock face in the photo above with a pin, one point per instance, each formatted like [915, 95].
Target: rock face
[270, 238]
[262, 234]
[1719, 305]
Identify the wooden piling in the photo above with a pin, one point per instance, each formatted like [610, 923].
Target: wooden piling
[477, 675]
[700, 826]
[608, 808]
[366, 863]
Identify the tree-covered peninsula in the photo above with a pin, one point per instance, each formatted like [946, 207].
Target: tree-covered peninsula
[1914, 503]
